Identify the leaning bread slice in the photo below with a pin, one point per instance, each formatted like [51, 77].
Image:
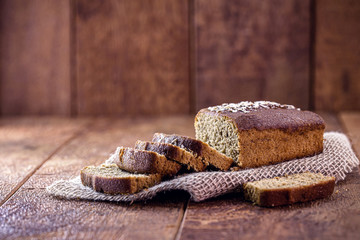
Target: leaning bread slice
[198, 148]
[142, 161]
[110, 179]
[290, 189]
[172, 152]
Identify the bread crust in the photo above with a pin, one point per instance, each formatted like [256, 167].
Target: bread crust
[201, 150]
[118, 185]
[172, 152]
[284, 119]
[148, 162]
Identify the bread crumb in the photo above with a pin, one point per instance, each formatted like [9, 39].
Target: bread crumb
[234, 169]
[337, 191]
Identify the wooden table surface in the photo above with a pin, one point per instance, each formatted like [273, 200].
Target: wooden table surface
[34, 152]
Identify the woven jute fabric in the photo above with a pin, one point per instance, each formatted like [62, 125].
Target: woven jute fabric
[337, 160]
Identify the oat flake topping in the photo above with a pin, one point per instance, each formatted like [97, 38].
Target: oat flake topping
[247, 106]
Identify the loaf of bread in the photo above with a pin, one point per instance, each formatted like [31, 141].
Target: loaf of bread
[172, 152]
[260, 133]
[290, 189]
[202, 151]
[110, 179]
[142, 161]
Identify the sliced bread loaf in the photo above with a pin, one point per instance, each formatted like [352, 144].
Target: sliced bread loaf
[110, 179]
[290, 189]
[172, 152]
[198, 148]
[260, 133]
[142, 161]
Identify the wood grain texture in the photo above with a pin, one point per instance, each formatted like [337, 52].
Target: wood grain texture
[350, 121]
[34, 59]
[252, 50]
[229, 217]
[42, 217]
[26, 143]
[337, 55]
[31, 213]
[132, 57]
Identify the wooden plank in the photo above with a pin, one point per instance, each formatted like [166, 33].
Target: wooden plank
[229, 217]
[337, 53]
[132, 57]
[351, 121]
[26, 143]
[34, 59]
[31, 213]
[252, 50]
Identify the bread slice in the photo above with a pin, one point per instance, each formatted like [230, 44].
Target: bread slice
[172, 152]
[142, 161]
[198, 148]
[110, 179]
[290, 189]
[260, 133]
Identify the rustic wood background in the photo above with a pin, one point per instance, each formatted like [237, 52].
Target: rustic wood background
[134, 57]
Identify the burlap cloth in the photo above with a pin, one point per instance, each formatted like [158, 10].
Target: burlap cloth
[337, 160]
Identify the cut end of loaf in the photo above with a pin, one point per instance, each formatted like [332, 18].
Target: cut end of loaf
[219, 132]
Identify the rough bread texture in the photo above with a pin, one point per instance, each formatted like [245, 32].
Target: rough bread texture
[201, 150]
[261, 133]
[289, 189]
[110, 179]
[172, 152]
[142, 161]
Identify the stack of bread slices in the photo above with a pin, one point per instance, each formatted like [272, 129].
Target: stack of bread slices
[242, 135]
[149, 162]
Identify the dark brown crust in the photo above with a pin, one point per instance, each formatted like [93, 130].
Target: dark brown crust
[141, 161]
[116, 185]
[278, 197]
[284, 119]
[189, 144]
[172, 152]
[198, 148]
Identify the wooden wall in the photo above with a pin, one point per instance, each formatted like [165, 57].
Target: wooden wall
[34, 57]
[250, 50]
[133, 57]
[337, 55]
